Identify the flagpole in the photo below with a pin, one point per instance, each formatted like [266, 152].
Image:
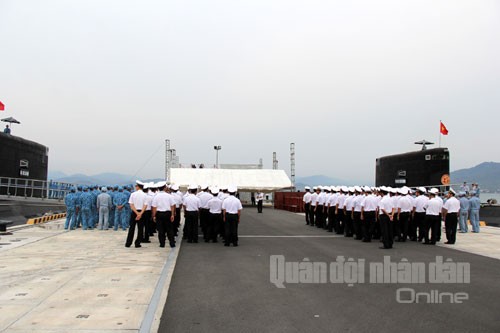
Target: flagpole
[440, 133]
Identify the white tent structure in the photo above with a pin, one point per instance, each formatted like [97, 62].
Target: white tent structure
[246, 180]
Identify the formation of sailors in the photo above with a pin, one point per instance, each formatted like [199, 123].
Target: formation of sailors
[389, 214]
[156, 207]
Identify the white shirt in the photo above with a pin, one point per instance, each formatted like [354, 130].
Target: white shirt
[149, 200]
[334, 199]
[405, 204]
[452, 205]
[420, 203]
[260, 196]
[138, 199]
[386, 204]
[349, 203]
[205, 197]
[341, 201]
[232, 205]
[163, 202]
[358, 201]
[192, 203]
[307, 198]
[215, 205]
[177, 198]
[433, 207]
[370, 203]
[314, 199]
[321, 199]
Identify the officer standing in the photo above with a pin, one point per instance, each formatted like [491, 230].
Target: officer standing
[433, 209]
[419, 212]
[450, 215]
[386, 215]
[204, 197]
[163, 210]
[138, 206]
[405, 206]
[306, 199]
[260, 201]
[215, 220]
[174, 189]
[70, 201]
[103, 203]
[191, 205]
[368, 215]
[231, 210]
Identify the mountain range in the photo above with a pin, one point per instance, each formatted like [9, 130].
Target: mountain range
[486, 174]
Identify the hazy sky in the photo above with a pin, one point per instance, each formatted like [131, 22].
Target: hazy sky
[104, 83]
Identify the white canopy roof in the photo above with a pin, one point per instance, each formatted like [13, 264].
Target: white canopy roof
[245, 179]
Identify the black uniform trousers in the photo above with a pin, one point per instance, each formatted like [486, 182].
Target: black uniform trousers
[419, 221]
[214, 225]
[432, 223]
[331, 219]
[191, 226]
[356, 227]
[387, 231]
[319, 216]
[341, 216]
[177, 220]
[131, 230]
[231, 227]
[348, 225]
[204, 220]
[306, 210]
[259, 206]
[451, 227]
[368, 225]
[311, 215]
[402, 226]
[166, 228]
[148, 225]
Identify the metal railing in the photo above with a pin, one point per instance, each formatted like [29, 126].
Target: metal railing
[34, 188]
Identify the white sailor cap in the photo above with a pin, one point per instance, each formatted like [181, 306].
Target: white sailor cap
[232, 189]
[422, 189]
[160, 184]
[192, 187]
[358, 189]
[367, 189]
[452, 191]
[403, 191]
[138, 182]
[214, 190]
[327, 188]
[174, 187]
[203, 186]
[351, 189]
[434, 190]
[307, 188]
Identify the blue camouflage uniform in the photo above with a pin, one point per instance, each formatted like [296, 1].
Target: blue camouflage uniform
[70, 201]
[121, 214]
[78, 195]
[475, 205]
[464, 212]
[86, 201]
[112, 194]
[127, 194]
[95, 214]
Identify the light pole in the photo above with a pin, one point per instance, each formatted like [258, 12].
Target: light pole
[217, 148]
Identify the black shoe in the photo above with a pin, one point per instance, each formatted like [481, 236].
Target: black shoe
[206, 241]
[236, 244]
[449, 243]
[162, 245]
[172, 245]
[366, 241]
[385, 248]
[195, 241]
[139, 245]
[226, 244]
[127, 245]
[146, 241]
[214, 241]
[190, 241]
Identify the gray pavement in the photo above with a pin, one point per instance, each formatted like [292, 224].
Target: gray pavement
[220, 289]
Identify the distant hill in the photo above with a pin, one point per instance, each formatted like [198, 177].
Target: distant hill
[107, 178]
[486, 174]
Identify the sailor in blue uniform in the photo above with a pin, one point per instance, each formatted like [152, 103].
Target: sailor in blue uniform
[475, 205]
[464, 212]
[78, 195]
[70, 202]
[121, 215]
[86, 203]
